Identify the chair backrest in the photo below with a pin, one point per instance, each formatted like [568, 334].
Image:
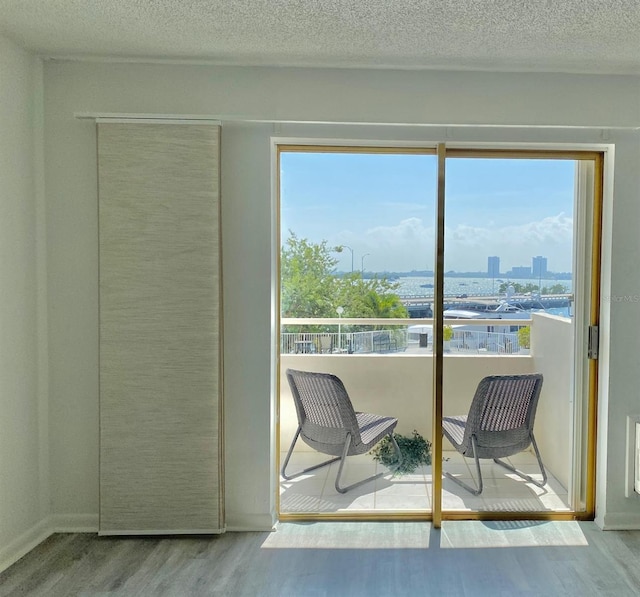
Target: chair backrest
[502, 413]
[325, 412]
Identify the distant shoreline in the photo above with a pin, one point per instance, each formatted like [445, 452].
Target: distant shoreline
[417, 286]
[476, 275]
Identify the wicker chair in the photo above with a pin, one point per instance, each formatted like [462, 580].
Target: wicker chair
[328, 423]
[499, 424]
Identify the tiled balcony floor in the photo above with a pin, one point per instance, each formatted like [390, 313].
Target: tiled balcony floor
[503, 490]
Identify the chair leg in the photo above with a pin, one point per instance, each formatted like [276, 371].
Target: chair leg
[396, 447]
[345, 451]
[523, 475]
[473, 490]
[306, 470]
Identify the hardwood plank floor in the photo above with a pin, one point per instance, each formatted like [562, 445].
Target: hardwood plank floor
[339, 559]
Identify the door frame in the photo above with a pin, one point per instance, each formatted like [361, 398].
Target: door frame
[574, 151]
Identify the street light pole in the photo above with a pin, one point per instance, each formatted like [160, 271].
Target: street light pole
[339, 311]
[362, 263]
[350, 249]
[339, 249]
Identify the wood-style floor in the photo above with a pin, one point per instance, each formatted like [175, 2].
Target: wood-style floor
[340, 559]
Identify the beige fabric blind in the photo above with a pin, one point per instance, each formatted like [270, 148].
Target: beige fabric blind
[160, 340]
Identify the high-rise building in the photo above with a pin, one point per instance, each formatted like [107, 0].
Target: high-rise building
[539, 266]
[521, 271]
[493, 267]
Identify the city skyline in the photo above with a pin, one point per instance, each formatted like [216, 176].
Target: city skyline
[382, 207]
[532, 272]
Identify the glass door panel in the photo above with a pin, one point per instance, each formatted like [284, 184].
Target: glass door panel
[513, 280]
[356, 284]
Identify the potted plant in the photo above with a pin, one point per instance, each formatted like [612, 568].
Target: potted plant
[415, 451]
[524, 339]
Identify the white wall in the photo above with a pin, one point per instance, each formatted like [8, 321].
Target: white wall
[246, 237]
[23, 449]
[552, 355]
[398, 385]
[237, 94]
[620, 328]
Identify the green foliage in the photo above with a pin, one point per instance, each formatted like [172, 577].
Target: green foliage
[524, 337]
[308, 283]
[529, 287]
[555, 289]
[372, 297]
[311, 288]
[518, 288]
[415, 451]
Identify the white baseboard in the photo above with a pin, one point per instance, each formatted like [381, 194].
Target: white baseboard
[250, 529]
[23, 544]
[153, 533]
[251, 522]
[74, 523]
[88, 523]
[619, 522]
[57, 523]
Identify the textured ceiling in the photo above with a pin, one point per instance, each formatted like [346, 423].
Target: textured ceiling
[599, 36]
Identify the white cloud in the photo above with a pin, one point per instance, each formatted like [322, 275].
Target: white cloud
[410, 245]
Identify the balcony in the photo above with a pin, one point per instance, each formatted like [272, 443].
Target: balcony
[397, 381]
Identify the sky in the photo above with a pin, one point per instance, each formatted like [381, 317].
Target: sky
[383, 207]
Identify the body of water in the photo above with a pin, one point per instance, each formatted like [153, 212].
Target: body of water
[415, 286]
[472, 287]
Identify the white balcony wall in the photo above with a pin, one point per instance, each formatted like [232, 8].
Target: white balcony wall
[552, 355]
[398, 385]
[401, 385]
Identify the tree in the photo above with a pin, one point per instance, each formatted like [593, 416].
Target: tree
[371, 298]
[555, 289]
[518, 288]
[308, 284]
[525, 288]
[311, 288]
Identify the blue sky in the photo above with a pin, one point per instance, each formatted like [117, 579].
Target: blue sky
[384, 205]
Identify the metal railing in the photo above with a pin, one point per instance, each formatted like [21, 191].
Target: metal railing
[481, 341]
[397, 337]
[374, 341]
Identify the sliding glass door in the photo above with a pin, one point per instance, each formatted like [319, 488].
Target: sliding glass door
[412, 275]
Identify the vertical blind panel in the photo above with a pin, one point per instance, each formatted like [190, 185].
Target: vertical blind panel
[160, 374]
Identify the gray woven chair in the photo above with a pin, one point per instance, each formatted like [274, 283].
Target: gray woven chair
[328, 423]
[499, 424]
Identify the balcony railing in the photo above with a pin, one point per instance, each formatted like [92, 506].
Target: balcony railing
[474, 336]
[379, 341]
